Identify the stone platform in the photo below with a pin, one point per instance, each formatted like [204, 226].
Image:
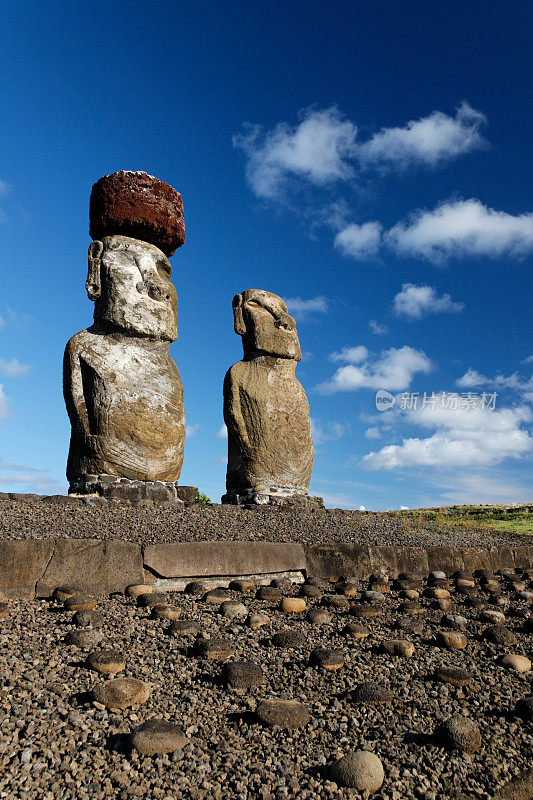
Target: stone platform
[35, 567]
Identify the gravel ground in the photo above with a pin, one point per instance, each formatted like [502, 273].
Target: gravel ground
[55, 744]
[29, 516]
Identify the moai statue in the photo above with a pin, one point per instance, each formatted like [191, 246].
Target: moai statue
[122, 390]
[270, 448]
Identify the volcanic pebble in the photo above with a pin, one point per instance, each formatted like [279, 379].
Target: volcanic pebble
[358, 770]
[318, 616]
[283, 713]
[460, 733]
[62, 593]
[150, 600]
[255, 621]
[244, 586]
[454, 675]
[524, 708]
[182, 627]
[398, 647]
[515, 662]
[293, 605]
[122, 692]
[4, 610]
[498, 634]
[157, 736]
[233, 609]
[165, 611]
[337, 601]
[371, 694]
[355, 631]
[136, 589]
[289, 638]
[215, 649]
[88, 619]
[79, 603]
[269, 593]
[106, 662]
[327, 659]
[451, 640]
[520, 788]
[84, 638]
[242, 675]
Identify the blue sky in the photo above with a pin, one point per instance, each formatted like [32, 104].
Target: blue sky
[370, 162]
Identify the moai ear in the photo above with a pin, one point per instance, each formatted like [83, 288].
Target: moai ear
[238, 317]
[93, 284]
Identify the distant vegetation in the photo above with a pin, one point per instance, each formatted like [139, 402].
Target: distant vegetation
[203, 499]
[495, 518]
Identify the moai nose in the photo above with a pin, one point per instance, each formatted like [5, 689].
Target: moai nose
[154, 292]
[286, 322]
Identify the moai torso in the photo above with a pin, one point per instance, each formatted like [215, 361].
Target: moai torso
[270, 447]
[125, 398]
[122, 390]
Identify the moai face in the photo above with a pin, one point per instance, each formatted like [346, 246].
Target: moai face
[130, 283]
[266, 327]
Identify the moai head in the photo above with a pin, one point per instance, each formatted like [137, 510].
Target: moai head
[266, 327]
[129, 282]
[136, 222]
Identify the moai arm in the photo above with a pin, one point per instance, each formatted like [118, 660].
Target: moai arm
[233, 416]
[73, 390]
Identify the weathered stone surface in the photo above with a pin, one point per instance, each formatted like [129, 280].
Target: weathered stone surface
[397, 559]
[240, 675]
[98, 567]
[448, 559]
[187, 493]
[334, 561]
[195, 559]
[461, 733]
[122, 390]
[122, 692]
[106, 662]
[358, 770]
[519, 788]
[138, 205]
[270, 447]
[283, 713]
[22, 564]
[157, 736]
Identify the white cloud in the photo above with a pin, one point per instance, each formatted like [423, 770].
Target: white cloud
[468, 487]
[429, 141]
[373, 433]
[393, 370]
[2, 322]
[222, 432]
[353, 355]
[13, 368]
[463, 437]
[472, 379]
[330, 432]
[219, 460]
[415, 302]
[459, 228]
[4, 408]
[528, 360]
[404, 508]
[300, 308]
[359, 241]
[318, 149]
[378, 328]
[192, 428]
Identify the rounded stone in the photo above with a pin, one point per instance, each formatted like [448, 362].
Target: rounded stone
[355, 631]
[136, 589]
[106, 662]
[495, 617]
[460, 733]
[138, 205]
[451, 640]
[4, 610]
[289, 639]
[216, 596]
[499, 634]
[366, 610]
[282, 713]
[88, 619]
[79, 602]
[292, 605]
[454, 621]
[244, 586]
[165, 611]
[232, 609]
[84, 638]
[336, 601]
[437, 593]
[255, 621]
[456, 676]
[369, 693]
[310, 591]
[350, 589]
[315, 581]
[122, 692]
[62, 593]
[183, 627]
[196, 588]
[151, 599]
[157, 736]
[438, 574]
[215, 649]
[398, 647]
[358, 770]
[411, 607]
[318, 616]
[241, 675]
[269, 593]
[410, 594]
[327, 659]
[369, 596]
[515, 662]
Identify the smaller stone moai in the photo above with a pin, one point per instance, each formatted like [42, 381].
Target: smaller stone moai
[270, 447]
[122, 390]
